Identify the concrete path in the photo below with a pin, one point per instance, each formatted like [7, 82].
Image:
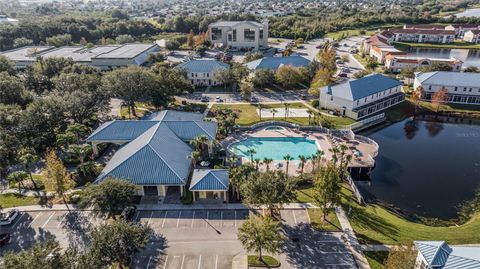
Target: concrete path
[352, 240]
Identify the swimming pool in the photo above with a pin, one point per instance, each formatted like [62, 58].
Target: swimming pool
[274, 128]
[275, 147]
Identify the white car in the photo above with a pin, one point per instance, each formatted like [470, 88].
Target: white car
[9, 217]
[218, 99]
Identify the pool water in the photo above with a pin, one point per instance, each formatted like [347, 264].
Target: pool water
[275, 148]
[274, 128]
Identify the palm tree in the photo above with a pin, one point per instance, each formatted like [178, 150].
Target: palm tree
[28, 157]
[260, 111]
[195, 157]
[303, 160]
[287, 158]
[318, 156]
[309, 112]
[286, 110]
[267, 162]
[251, 152]
[257, 163]
[232, 160]
[199, 143]
[273, 111]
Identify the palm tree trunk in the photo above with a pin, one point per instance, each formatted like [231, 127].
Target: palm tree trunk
[31, 179]
[65, 202]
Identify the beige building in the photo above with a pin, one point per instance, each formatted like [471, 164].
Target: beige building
[396, 63]
[239, 35]
[472, 36]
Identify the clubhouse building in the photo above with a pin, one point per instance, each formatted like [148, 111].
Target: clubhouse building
[239, 35]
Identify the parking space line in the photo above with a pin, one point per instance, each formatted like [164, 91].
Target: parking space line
[49, 218]
[16, 222]
[193, 219]
[149, 260]
[294, 218]
[165, 264]
[179, 216]
[137, 215]
[183, 260]
[308, 216]
[234, 220]
[208, 217]
[199, 261]
[149, 218]
[61, 220]
[221, 218]
[216, 261]
[164, 218]
[36, 217]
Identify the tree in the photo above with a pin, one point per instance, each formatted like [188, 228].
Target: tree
[273, 111]
[200, 143]
[252, 56]
[136, 83]
[56, 175]
[263, 77]
[327, 188]
[246, 89]
[28, 157]
[267, 162]
[403, 257]
[118, 242]
[289, 76]
[190, 39]
[322, 78]
[17, 177]
[170, 82]
[326, 57]
[238, 176]
[261, 234]
[6, 65]
[60, 40]
[270, 189]
[108, 197]
[417, 96]
[45, 255]
[472, 69]
[303, 160]
[251, 152]
[345, 58]
[439, 98]
[223, 76]
[124, 39]
[22, 42]
[12, 90]
[287, 159]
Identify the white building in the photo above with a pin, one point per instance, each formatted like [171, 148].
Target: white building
[423, 35]
[396, 63]
[104, 57]
[463, 88]
[202, 72]
[462, 29]
[472, 36]
[6, 20]
[248, 35]
[439, 255]
[360, 98]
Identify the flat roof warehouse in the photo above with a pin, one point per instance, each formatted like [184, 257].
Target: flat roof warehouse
[105, 56]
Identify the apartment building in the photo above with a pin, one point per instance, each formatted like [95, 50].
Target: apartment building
[396, 63]
[202, 72]
[423, 35]
[462, 29]
[239, 35]
[472, 36]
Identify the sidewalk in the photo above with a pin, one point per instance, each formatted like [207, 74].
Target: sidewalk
[352, 240]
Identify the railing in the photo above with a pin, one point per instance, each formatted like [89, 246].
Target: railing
[367, 140]
[268, 123]
[364, 122]
[355, 190]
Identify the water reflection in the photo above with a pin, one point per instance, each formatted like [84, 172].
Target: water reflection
[469, 57]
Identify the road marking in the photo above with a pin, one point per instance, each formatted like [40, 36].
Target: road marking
[136, 215]
[39, 214]
[16, 222]
[208, 217]
[308, 216]
[149, 260]
[61, 220]
[200, 262]
[234, 220]
[183, 259]
[216, 261]
[49, 218]
[294, 218]
[165, 264]
[179, 216]
[221, 218]
[151, 214]
[164, 218]
[193, 218]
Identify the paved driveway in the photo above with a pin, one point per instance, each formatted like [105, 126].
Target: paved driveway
[187, 239]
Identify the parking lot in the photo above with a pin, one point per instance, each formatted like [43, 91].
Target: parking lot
[190, 238]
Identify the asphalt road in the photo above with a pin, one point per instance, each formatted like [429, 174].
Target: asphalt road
[189, 238]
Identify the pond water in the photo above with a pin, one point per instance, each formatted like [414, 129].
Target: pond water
[469, 57]
[425, 167]
[472, 12]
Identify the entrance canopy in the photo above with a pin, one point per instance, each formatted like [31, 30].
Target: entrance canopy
[209, 180]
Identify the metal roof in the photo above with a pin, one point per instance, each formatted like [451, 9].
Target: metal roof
[233, 23]
[444, 78]
[174, 115]
[120, 130]
[440, 255]
[126, 51]
[275, 62]
[356, 89]
[27, 53]
[202, 66]
[156, 157]
[209, 180]
[188, 130]
[79, 53]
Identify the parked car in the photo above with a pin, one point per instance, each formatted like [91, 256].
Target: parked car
[343, 75]
[129, 213]
[303, 96]
[339, 61]
[204, 99]
[253, 99]
[4, 239]
[9, 217]
[218, 99]
[346, 70]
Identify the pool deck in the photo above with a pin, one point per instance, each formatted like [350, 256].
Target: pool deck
[362, 145]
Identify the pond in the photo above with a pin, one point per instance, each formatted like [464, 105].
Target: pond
[426, 167]
[469, 57]
[471, 12]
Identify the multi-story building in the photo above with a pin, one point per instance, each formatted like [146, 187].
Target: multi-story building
[202, 72]
[243, 35]
[462, 29]
[463, 88]
[438, 254]
[423, 35]
[363, 97]
[103, 57]
[472, 36]
[396, 63]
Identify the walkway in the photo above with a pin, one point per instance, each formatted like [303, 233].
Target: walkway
[352, 240]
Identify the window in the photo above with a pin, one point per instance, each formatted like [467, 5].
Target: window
[216, 33]
[464, 89]
[365, 100]
[430, 87]
[331, 98]
[249, 35]
[456, 88]
[358, 101]
[229, 37]
[234, 35]
[260, 35]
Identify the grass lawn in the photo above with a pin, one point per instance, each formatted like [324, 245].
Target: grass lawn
[331, 224]
[457, 44]
[376, 258]
[268, 261]
[248, 114]
[347, 33]
[13, 200]
[141, 108]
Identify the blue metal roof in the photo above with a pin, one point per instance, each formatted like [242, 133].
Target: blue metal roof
[440, 255]
[202, 66]
[188, 130]
[156, 157]
[356, 89]
[275, 62]
[120, 130]
[209, 180]
[443, 78]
